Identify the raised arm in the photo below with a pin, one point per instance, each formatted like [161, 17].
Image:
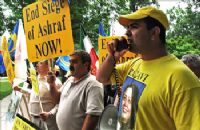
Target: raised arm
[106, 69]
[53, 88]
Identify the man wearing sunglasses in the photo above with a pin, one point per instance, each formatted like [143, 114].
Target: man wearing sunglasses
[81, 96]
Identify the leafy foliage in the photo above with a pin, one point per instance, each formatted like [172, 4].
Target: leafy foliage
[86, 12]
[15, 6]
[90, 12]
[182, 45]
[184, 35]
[2, 23]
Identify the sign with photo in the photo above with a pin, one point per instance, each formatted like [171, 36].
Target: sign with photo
[127, 108]
[12, 110]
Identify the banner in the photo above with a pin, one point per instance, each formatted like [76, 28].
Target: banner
[48, 30]
[7, 61]
[102, 45]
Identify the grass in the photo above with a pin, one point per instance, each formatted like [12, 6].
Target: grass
[5, 87]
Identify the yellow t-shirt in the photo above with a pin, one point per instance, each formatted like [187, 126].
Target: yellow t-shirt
[168, 94]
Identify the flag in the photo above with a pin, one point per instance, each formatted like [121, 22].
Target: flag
[12, 40]
[2, 67]
[20, 55]
[101, 30]
[7, 60]
[63, 62]
[82, 35]
[116, 29]
[90, 49]
[112, 31]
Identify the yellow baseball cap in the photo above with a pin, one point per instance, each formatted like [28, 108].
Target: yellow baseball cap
[145, 12]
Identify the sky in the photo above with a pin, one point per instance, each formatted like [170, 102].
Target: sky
[168, 4]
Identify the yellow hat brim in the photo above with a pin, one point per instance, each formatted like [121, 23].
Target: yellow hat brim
[143, 13]
[127, 19]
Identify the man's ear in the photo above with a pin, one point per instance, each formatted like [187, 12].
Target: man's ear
[155, 32]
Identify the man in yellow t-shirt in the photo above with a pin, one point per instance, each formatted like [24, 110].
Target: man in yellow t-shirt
[168, 95]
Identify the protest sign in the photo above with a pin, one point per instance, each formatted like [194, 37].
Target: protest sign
[21, 123]
[34, 80]
[48, 29]
[13, 107]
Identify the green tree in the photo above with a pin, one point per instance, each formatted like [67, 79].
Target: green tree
[86, 12]
[2, 23]
[184, 35]
[15, 7]
[91, 12]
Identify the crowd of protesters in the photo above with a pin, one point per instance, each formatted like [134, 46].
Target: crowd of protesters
[158, 90]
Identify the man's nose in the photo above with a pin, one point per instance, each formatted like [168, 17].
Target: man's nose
[128, 33]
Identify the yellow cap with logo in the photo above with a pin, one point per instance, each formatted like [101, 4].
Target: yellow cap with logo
[143, 13]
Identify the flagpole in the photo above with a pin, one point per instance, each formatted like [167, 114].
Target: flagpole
[50, 63]
[84, 32]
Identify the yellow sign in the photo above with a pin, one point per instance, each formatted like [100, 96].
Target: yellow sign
[7, 60]
[48, 29]
[34, 79]
[102, 44]
[19, 124]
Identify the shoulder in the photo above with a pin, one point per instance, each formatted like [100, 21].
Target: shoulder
[181, 76]
[178, 68]
[92, 82]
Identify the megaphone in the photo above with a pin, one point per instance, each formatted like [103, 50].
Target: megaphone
[108, 119]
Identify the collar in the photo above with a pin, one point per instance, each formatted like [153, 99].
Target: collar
[82, 78]
[42, 77]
